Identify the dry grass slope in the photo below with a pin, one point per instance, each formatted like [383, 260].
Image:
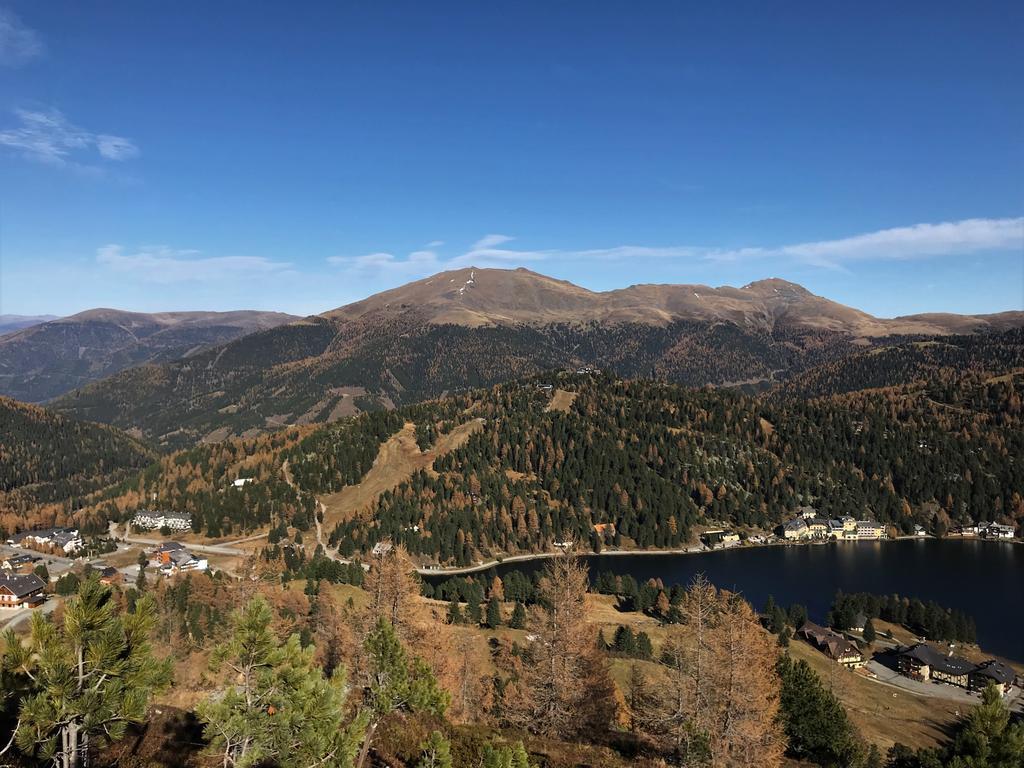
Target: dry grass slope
[398, 459]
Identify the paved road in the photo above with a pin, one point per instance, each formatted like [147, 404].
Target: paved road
[11, 619]
[205, 549]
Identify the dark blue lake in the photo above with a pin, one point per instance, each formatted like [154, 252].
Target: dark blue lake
[983, 578]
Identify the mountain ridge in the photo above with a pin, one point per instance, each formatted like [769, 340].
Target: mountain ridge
[470, 328]
[464, 297]
[48, 359]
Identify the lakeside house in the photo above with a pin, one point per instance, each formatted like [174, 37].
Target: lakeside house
[924, 662]
[18, 590]
[794, 530]
[152, 521]
[966, 530]
[997, 531]
[67, 540]
[817, 528]
[720, 538]
[869, 529]
[832, 644]
[241, 482]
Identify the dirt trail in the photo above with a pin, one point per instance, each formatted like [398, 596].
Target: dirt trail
[398, 459]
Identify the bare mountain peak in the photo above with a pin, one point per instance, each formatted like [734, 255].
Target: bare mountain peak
[483, 296]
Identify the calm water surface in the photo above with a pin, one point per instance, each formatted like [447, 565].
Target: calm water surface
[983, 578]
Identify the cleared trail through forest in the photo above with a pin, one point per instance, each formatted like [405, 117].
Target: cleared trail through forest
[397, 460]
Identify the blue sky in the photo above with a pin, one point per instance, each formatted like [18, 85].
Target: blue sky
[159, 156]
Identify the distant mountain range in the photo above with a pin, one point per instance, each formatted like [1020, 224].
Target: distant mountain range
[473, 327]
[9, 323]
[46, 359]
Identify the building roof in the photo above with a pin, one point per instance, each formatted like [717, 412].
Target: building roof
[21, 586]
[996, 671]
[795, 525]
[938, 661]
[169, 546]
[831, 643]
[43, 533]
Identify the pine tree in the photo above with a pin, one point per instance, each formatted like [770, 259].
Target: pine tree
[493, 613]
[518, 620]
[506, 757]
[814, 720]
[276, 705]
[86, 679]
[436, 752]
[869, 632]
[397, 683]
[454, 612]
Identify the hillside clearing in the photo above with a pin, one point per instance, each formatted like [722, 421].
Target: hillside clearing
[561, 401]
[398, 460]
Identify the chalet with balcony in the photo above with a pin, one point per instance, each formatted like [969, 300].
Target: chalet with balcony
[18, 590]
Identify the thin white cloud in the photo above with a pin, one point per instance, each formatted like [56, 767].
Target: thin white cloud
[116, 147]
[18, 43]
[968, 236]
[920, 241]
[489, 241]
[46, 136]
[160, 264]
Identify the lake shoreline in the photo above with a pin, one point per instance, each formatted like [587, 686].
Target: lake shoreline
[533, 556]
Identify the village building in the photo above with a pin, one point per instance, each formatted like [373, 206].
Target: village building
[161, 556]
[720, 538]
[382, 548]
[817, 528]
[869, 529]
[992, 672]
[849, 525]
[109, 575]
[17, 590]
[835, 529]
[17, 563]
[151, 521]
[997, 531]
[794, 530]
[832, 644]
[241, 482]
[966, 530]
[66, 540]
[181, 560]
[919, 530]
[924, 662]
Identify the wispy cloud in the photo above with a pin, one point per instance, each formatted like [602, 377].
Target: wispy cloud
[920, 241]
[489, 241]
[46, 136]
[18, 43]
[968, 236]
[161, 264]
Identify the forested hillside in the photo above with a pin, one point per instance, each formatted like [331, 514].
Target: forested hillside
[46, 457]
[654, 460]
